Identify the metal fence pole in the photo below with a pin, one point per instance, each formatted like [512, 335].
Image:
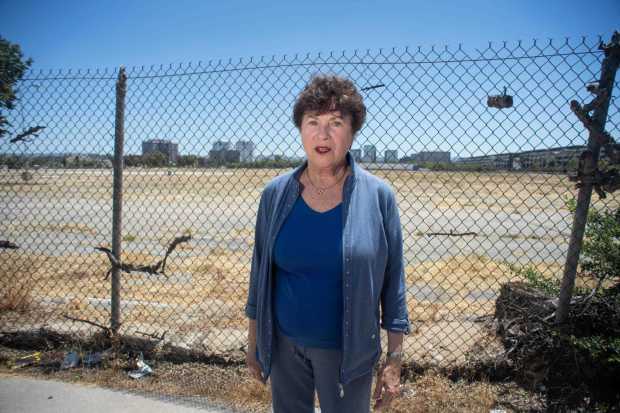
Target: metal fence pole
[117, 201]
[609, 67]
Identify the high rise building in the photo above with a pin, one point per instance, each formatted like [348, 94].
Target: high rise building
[356, 154]
[246, 151]
[391, 156]
[169, 149]
[221, 145]
[370, 153]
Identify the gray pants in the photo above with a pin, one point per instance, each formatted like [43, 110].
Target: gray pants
[297, 371]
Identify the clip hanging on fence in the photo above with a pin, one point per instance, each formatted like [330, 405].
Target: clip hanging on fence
[502, 101]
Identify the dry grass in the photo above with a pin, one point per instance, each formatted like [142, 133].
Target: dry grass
[201, 304]
[16, 287]
[231, 387]
[435, 393]
[15, 297]
[444, 190]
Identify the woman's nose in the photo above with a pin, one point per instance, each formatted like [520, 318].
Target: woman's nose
[323, 131]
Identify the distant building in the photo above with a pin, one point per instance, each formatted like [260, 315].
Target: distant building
[169, 149]
[356, 154]
[432, 157]
[370, 153]
[223, 156]
[246, 151]
[221, 146]
[552, 159]
[391, 156]
[222, 153]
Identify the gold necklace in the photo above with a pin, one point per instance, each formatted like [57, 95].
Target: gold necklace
[321, 191]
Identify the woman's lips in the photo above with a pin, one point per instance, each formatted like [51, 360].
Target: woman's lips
[322, 149]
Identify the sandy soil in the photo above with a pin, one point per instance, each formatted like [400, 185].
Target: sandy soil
[61, 215]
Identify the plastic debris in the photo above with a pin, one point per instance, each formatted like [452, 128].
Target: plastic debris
[28, 360]
[72, 360]
[142, 369]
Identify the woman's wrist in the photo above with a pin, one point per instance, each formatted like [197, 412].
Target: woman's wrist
[394, 357]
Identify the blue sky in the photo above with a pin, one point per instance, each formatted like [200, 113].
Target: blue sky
[108, 33]
[412, 112]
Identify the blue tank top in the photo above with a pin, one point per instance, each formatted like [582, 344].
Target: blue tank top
[308, 277]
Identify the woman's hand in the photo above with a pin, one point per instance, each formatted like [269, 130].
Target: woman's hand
[253, 366]
[387, 387]
[250, 356]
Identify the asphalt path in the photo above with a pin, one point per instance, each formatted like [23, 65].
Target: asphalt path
[27, 395]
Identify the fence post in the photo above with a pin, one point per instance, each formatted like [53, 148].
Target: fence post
[596, 127]
[117, 195]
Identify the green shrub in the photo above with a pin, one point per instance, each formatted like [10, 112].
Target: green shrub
[537, 280]
[601, 246]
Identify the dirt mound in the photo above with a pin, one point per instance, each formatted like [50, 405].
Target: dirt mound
[576, 364]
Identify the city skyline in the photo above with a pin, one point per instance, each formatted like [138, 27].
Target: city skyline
[411, 112]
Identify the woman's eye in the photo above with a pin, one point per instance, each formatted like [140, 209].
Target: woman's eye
[337, 123]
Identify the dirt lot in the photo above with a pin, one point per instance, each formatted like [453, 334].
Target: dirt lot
[452, 281]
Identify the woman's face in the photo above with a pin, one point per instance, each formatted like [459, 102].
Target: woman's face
[327, 137]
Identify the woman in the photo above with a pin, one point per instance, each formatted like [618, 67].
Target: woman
[327, 268]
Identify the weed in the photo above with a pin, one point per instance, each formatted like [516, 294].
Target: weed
[129, 238]
[537, 280]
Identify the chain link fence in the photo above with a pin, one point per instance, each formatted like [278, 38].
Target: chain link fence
[477, 144]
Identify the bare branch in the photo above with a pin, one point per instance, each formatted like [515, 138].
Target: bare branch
[128, 268]
[453, 234]
[154, 269]
[92, 323]
[173, 245]
[154, 335]
[8, 245]
[588, 298]
[33, 131]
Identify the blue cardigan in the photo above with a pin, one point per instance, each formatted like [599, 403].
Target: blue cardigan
[373, 272]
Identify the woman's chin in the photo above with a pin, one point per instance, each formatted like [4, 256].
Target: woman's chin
[324, 161]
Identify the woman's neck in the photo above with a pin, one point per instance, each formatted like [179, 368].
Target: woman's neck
[327, 175]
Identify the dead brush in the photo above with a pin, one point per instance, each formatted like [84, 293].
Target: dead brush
[15, 298]
[16, 282]
[433, 392]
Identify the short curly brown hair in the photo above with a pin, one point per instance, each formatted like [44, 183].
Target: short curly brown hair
[325, 93]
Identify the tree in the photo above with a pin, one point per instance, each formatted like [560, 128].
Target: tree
[133, 160]
[155, 159]
[12, 70]
[188, 160]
